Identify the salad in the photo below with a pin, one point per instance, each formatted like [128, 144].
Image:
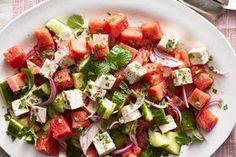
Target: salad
[108, 89]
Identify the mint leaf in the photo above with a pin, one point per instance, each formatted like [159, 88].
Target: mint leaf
[119, 57]
[75, 22]
[184, 139]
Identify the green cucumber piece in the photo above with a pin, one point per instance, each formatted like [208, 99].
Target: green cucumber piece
[59, 103]
[173, 147]
[118, 138]
[119, 98]
[73, 148]
[56, 26]
[7, 93]
[52, 113]
[188, 120]
[157, 139]
[14, 128]
[46, 126]
[147, 113]
[43, 91]
[160, 116]
[86, 65]
[23, 121]
[79, 80]
[126, 128]
[105, 108]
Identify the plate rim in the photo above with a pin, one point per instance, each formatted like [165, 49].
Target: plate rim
[29, 10]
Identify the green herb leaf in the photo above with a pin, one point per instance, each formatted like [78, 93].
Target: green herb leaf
[75, 22]
[30, 78]
[47, 53]
[184, 139]
[119, 57]
[188, 120]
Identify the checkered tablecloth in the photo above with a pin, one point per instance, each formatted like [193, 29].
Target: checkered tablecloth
[226, 24]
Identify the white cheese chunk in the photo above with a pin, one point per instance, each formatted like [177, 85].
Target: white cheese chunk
[104, 38]
[134, 72]
[19, 107]
[93, 91]
[30, 99]
[182, 76]
[91, 107]
[170, 126]
[40, 113]
[105, 81]
[103, 143]
[74, 99]
[49, 68]
[168, 42]
[129, 114]
[198, 56]
[63, 59]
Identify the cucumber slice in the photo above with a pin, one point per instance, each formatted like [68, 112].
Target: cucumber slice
[14, 128]
[105, 108]
[173, 147]
[86, 65]
[73, 148]
[46, 126]
[23, 121]
[146, 112]
[43, 91]
[156, 139]
[52, 113]
[59, 103]
[56, 26]
[118, 138]
[126, 128]
[119, 98]
[79, 80]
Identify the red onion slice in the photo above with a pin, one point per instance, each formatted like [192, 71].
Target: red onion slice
[113, 124]
[53, 93]
[122, 150]
[185, 96]
[215, 71]
[132, 134]
[87, 138]
[198, 135]
[157, 105]
[178, 113]
[212, 102]
[164, 59]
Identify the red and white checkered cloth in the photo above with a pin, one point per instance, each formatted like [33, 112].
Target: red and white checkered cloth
[226, 24]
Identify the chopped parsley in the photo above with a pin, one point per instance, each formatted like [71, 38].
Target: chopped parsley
[225, 107]
[23, 105]
[76, 119]
[170, 44]
[210, 58]
[214, 90]
[211, 68]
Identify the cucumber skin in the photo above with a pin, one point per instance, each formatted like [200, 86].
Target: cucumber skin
[119, 98]
[79, 80]
[147, 113]
[14, 128]
[156, 139]
[59, 103]
[56, 26]
[43, 91]
[103, 111]
[173, 147]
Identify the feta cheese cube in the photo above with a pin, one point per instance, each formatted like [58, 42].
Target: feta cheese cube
[103, 143]
[40, 113]
[168, 42]
[105, 81]
[48, 69]
[170, 126]
[30, 99]
[198, 56]
[182, 76]
[128, 114]
[74, 99]
[91, 107]
[134, 72]
[63, 59]
[19, 107]
[94, 92]
[98, 38]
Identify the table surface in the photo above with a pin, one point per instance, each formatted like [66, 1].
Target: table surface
[226, 24]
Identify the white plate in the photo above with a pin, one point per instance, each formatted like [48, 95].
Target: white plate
[186, 24]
